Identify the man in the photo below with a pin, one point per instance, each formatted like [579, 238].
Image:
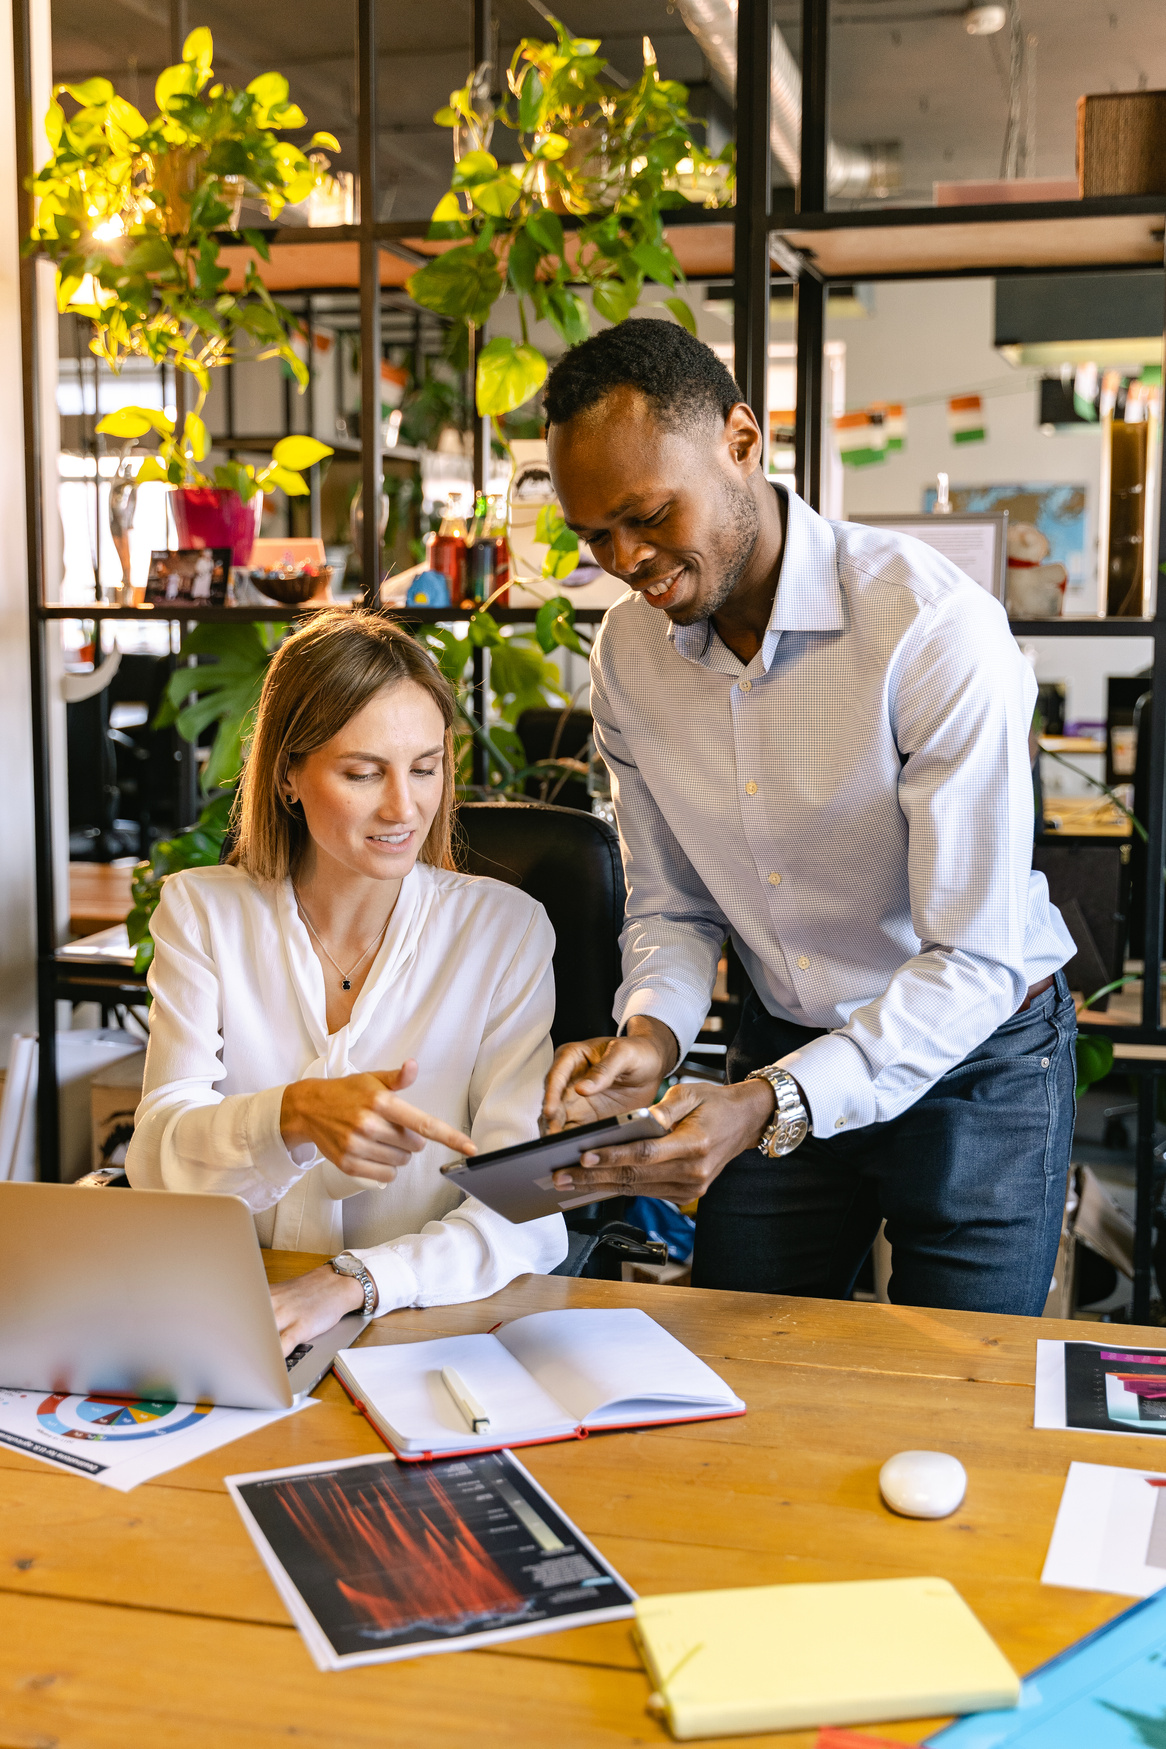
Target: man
[817, 735]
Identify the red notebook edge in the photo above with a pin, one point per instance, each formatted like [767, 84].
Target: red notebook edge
[422, 1457]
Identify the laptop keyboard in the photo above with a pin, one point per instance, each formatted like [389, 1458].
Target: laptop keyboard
[297, 1354]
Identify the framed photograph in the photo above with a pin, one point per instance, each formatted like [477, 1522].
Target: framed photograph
[975, 541]
[197, 576]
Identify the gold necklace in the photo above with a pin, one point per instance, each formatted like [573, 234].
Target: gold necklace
[345, 977]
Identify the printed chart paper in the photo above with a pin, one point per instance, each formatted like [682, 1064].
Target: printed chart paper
[1101, 1387]
[122, 1441]
[1106, 1692]
[1110, 1533]
[377, 1560]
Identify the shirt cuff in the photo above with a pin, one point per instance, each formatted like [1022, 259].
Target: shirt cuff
[673, 1013]
[270, 1155]
[833, 1076]
[397, 1286]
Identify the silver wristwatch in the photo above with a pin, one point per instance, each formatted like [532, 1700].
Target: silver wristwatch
[347, 1264]
[790, 1120]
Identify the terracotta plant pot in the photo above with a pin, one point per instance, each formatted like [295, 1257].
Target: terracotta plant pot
[205, 516]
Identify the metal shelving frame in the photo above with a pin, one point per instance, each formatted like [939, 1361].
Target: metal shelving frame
[760, 221]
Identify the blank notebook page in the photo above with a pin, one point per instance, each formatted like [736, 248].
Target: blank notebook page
[404, 1383]
[619, 1360]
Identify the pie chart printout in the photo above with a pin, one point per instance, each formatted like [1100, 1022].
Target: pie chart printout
[116, 1418]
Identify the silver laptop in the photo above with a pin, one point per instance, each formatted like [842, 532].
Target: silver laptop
[145, 1293]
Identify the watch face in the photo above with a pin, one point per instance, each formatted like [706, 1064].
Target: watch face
[345, 1265]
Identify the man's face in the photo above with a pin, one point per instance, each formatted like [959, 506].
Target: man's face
[669, 512]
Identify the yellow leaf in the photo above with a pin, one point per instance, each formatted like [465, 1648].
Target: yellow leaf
[151, 469]
[197, 436]
[174, 82]
[126, 422]
[282, 478]
[299, 452]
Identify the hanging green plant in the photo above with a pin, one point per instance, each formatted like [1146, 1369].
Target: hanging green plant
[132, 212]
[613, 161]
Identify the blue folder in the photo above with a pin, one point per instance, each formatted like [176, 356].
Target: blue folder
[1106, 1692]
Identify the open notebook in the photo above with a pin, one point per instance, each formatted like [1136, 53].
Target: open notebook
[551, 1375]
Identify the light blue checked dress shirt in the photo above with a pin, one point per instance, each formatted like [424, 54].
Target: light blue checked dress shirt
[854, 807]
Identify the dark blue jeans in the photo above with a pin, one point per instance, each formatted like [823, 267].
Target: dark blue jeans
[970, 1180]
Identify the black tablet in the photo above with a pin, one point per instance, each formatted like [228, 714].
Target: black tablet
[518, 1183]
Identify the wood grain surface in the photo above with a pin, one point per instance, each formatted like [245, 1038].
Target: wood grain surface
[148, 1615]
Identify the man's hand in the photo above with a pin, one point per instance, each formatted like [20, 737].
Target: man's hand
[312, 1303]
[360, 1123]
[603, 1077]
[710, 1126]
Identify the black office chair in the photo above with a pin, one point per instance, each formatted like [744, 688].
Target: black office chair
[570, 862]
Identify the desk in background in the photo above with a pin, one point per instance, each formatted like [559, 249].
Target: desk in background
[99, 895]
[148, 1617]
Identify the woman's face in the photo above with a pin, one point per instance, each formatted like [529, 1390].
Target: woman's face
[370, 793]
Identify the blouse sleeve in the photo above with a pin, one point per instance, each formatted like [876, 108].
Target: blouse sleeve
[187, 1136]
[474, 1252]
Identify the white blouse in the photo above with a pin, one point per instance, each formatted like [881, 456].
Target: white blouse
[462, 982]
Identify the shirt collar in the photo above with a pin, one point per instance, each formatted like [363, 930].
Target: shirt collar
[809, 596]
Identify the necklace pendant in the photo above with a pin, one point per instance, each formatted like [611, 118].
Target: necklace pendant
[346, 985]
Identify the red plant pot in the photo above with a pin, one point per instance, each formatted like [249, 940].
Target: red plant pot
[204, 516]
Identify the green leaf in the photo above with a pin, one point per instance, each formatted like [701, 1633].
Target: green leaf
[529, 97]
[522, 262]
[682, 312]
[657, 261]
[1094, 1060]
[464, 283]
[553, 147]
[472, 168]
[508, 375]
[569, 315]
[485, 631]
[299, 452]
[496, 198]
[615, 299]
[130, 120]
[561, 542]
[555, 625]
[445, 117]
[547, 230]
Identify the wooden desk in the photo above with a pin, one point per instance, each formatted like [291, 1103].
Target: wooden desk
[146, 1617]
[99, 894]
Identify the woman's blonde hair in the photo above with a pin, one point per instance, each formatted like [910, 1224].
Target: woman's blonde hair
[318, 680]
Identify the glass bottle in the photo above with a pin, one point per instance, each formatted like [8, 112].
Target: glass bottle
[480, 557]
[497, 539]
[448, 552]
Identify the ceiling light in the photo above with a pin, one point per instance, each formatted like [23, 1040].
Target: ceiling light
[985, 20]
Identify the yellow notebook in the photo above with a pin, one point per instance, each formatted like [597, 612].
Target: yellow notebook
[787, 1657]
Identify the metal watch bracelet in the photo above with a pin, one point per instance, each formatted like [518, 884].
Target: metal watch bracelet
[347, 1264]
[790, 1121]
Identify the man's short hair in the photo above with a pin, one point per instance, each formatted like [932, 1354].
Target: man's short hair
[683, 378]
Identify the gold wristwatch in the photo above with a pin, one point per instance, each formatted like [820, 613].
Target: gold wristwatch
[790, 1121]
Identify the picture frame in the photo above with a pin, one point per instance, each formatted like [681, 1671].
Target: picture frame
[189, 576]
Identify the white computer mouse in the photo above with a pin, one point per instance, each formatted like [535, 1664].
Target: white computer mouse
[923, 1484]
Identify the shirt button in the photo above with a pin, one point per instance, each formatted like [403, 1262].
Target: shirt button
[750, 788]
[839, 1123]
[745, 685]
[775, 880]
[803, 964]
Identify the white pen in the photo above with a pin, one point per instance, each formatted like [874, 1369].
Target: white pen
[468, 1404]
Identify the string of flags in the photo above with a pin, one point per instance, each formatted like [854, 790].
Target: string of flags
[871, 434]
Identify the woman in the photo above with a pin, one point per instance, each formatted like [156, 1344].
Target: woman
[336, 962]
